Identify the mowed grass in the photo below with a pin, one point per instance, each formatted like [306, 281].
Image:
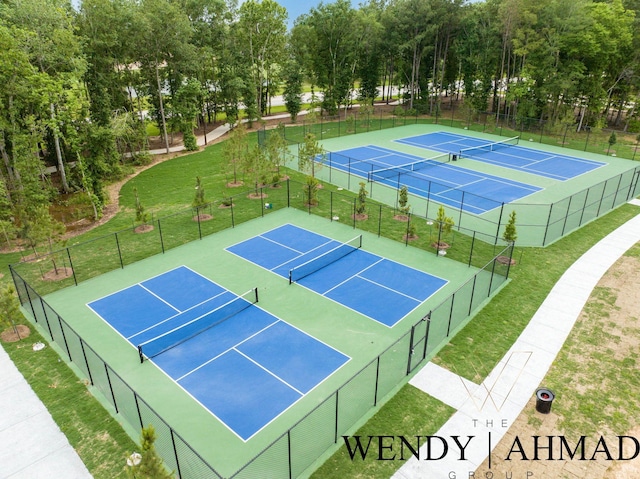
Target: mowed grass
[409, 413]
[169, 187]
[596, 373]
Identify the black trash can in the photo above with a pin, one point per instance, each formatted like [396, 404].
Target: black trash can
[544, 398]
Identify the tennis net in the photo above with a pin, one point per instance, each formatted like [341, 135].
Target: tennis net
[391, 171]
[469, 152]
[184, 332]
[325, 259]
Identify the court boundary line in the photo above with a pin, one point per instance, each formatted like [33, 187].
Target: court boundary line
[382, 258]
[437, 147]
[182, 312]
[349, 358]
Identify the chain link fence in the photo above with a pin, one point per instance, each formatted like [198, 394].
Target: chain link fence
[341, 412]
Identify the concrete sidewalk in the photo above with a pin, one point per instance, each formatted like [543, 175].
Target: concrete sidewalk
[486, 410]
[31, 443]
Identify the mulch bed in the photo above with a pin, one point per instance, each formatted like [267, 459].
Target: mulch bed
[235, 184]
[506, 260]
[360, 217]
[10, 336]
[257, 196]
[143, 229]
[58, 274]
[403, 218]
[202, 217]
[410, 237]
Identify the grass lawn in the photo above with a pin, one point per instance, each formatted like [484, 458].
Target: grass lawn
[169, 187]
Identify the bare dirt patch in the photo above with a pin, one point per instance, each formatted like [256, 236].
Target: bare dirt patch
[595, 391]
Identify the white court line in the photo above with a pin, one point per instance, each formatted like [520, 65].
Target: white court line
[179, 313]
[154, 294]
[269, 372]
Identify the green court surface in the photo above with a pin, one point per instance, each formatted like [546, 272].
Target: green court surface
[349, 332]
[542, 217]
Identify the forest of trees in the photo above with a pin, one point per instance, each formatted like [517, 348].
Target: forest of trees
[79, 87]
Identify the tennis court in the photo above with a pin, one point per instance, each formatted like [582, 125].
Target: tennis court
[505, 153]
[381, 289]
[244, 365]
[432, 178]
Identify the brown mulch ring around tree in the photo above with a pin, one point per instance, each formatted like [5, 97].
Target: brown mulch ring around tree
[223, 206]
[409, 237]
[505, 260]
[257, 196]
[143, 229]
[58, 274]
[235, 184]
[10, 336]
[202, 217]
[360, 217]
[440, 246]
[403, 218]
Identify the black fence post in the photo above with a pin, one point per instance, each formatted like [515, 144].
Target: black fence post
[113, 396]
[354, 212]
[410, 352]
[175, 452]
[119, 251]
[375, 391]
[64, 336]
[566, 217]
[233, 223]
[546, 231]
[615, 197]
[473, 290]
[288, 195]
[473, 241]
[161, 238]
[604, 189]
[335, 435]
[499, 220]
[330, 206]
[289, 452]
[453, 300]
[73, 270]
[198, 219]
[86, 361]
[380, 220]
[426, 336]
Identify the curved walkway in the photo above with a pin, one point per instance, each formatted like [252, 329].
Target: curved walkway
[486, 410]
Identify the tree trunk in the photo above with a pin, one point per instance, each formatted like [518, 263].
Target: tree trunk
[7, 162]
[164, 121]
[56, 142]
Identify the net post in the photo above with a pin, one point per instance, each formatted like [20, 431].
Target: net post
[140, 354]
[290, 280]
[256, 291]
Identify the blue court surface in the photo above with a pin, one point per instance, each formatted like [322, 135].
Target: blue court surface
[537, 162]
[446, 183]
[241, 363]
[378, 288]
